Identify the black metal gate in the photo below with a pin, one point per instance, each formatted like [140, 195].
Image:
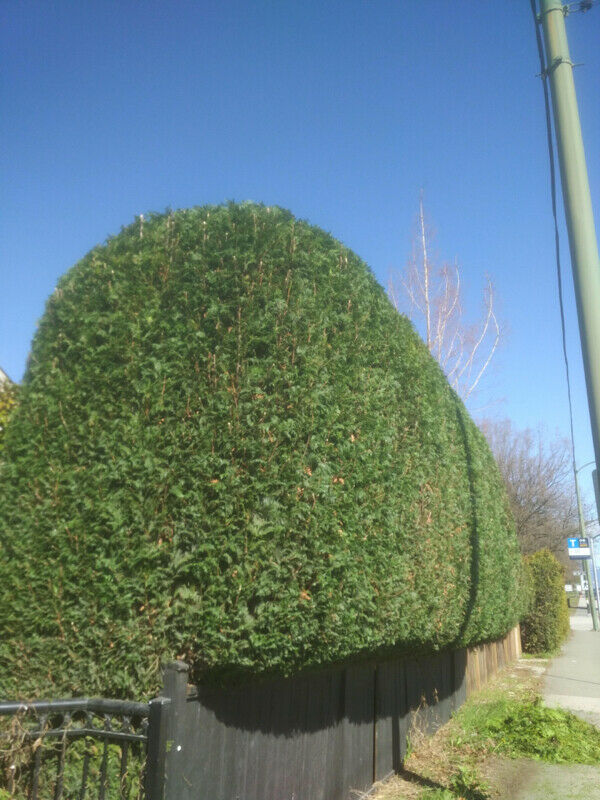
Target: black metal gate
[82, 748]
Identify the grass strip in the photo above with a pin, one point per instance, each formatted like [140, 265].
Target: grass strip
[507, 719]
[528, 729]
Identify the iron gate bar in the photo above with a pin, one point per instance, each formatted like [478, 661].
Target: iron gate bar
[84, 773]
[60, 770]
[99, 705]
[45, 709]
[81, 733]
[123, 722]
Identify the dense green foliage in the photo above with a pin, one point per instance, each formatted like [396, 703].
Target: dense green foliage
[528, 729]
[8, 401]
[546, 625]
[230, 447]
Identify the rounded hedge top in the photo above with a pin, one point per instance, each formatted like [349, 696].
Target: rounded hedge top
[231, 448]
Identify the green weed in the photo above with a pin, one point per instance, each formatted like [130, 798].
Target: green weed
[540, 656]
[528, 729]
[438, 794]
[466, 785]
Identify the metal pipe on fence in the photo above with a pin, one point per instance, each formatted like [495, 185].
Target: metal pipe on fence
[97, 705]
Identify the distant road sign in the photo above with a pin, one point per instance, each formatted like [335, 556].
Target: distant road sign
[579, 548]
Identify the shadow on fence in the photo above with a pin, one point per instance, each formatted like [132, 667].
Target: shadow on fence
[319, 736]
[316, 736]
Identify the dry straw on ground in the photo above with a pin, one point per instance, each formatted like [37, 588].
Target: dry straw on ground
[435, 760]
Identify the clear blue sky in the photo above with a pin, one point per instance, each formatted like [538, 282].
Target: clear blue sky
[339, 111]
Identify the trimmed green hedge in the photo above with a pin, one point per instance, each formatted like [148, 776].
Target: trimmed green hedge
[231, 448]
[546, 626]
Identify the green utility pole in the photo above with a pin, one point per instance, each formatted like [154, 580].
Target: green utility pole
[586, 561]
[577, 201]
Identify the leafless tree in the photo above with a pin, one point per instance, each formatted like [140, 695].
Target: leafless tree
[431, 296]
[537, 471]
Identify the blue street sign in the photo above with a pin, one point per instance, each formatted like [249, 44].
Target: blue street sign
[578, 548]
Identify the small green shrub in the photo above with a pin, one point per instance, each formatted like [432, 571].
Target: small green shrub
[546, 625]
[525, 589]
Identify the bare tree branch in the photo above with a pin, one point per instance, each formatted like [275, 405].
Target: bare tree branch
[431, 298]
[537, 472]
[426, 269]
[490, 318]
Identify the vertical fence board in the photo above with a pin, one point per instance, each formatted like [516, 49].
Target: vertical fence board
[202, 768]
[275, 740]
[492, 659]
[475, 670]
[358, 726]
[429, 682]
[470, 676]
[444, 688]
[324, 748]
[483, 664]
[392, 718]
[157, 749]
[459, 678]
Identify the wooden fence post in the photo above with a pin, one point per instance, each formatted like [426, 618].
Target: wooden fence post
[175, 688]
[157, 748]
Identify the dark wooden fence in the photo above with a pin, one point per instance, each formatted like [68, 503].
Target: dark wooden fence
[321, 736]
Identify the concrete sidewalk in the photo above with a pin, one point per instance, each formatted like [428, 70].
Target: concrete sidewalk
[572, 680]
[522, 779]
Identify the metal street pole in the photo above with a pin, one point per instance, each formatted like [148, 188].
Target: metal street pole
[586, 562]
[577, 201]
[593, 540]
[597, 495]
[596, 492]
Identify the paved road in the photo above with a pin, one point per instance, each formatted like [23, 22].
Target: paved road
[572, 680]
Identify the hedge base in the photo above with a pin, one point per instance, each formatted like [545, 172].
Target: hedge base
[316, 736]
